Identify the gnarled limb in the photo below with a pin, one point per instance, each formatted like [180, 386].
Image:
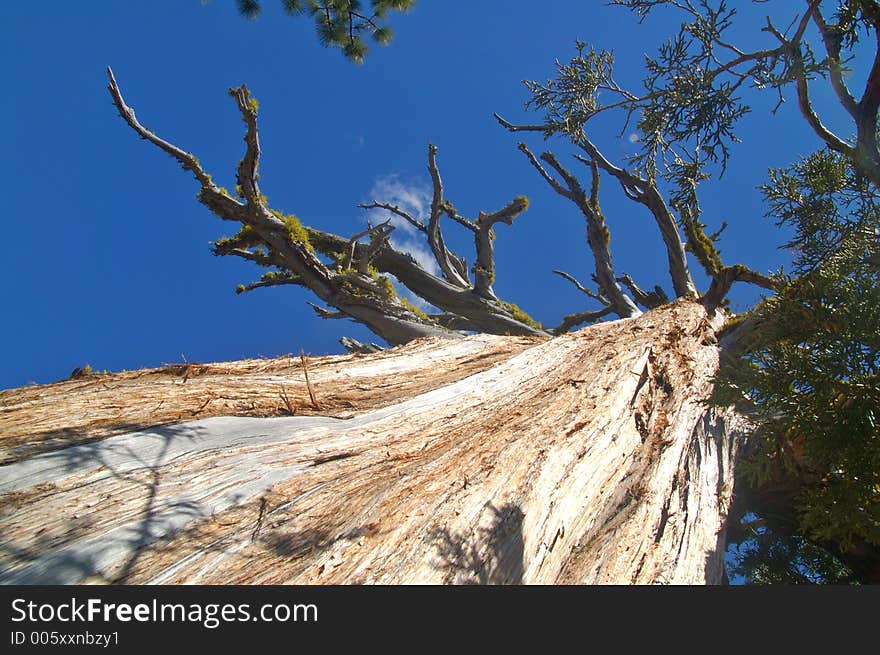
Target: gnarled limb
[484, 237]
[646, 193]
[574, 320]
[635, 188]
[354, 294]
[724, 279]
[598, 236]
[453, 267]
[647, 299]
[480, 313]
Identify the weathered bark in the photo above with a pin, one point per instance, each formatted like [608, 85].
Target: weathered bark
[587, 458]
[480, 313]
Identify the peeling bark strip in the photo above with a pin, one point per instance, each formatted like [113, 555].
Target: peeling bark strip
[49, 417]
[588, 458]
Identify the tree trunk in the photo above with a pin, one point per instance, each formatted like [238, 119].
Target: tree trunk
[586, 458]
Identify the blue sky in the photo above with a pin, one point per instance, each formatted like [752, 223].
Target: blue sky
[105, 256]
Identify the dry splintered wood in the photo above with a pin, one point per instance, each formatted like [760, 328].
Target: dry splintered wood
[587, 458]
[36, 419]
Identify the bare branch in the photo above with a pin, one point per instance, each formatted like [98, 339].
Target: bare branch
[187, 160]
[648, 299]
[273, 280]
[725, 278]
[453, 267]
[221, 204]
[452, 213]
[573, 320]
[394, 209]
[247, 167]
[647, 194]
[809, 113]
[598, 236]
[484, 237]
[717, 233]
[358, 347]
[582, 288]
[557, 187]
[519, 128]
[832, 48]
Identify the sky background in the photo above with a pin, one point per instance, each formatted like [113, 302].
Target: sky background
[105, 257]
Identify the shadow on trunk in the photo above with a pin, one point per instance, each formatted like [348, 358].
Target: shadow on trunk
[492, 555]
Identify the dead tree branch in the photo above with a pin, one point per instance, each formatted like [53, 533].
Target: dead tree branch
[484, 238]
[353, 294]
[453, 267]
[647, 299]
[598, 235]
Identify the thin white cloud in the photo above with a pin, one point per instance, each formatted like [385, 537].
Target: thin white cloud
[413, 198]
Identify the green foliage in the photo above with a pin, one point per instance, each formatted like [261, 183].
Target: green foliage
[86, 372]
[342, 24]
[521, 203]
[298, 233]
[479, 270]
[415, 310]
[386, 284]
[765, 556]
[246, 237]
[690, 100]
[833, 210]
[813, 376]
[520, 315]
